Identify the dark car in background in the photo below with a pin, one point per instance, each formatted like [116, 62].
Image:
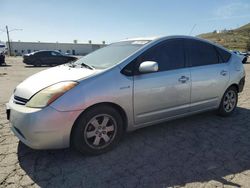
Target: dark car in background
[2, 54]
[46, 57]
[2, 58]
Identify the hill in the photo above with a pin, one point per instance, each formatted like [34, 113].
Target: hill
[232, 39]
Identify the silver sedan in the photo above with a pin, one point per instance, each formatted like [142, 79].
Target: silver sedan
[91, 102]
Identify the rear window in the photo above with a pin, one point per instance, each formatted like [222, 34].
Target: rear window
[224, 55]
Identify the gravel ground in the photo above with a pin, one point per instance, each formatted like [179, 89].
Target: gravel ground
[204, 150]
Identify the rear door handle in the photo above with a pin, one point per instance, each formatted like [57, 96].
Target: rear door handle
[183, 79]
[223, 73]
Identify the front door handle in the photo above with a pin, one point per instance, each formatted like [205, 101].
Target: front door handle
[223, 73]
[183, 79]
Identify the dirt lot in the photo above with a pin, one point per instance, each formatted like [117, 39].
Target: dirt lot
[204, 150]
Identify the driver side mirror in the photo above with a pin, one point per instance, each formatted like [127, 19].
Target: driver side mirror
[148, 66]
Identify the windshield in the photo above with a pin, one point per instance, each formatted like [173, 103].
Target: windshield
[111, 54]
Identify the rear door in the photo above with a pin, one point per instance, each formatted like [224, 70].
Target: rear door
[208, 73]
[166, 93]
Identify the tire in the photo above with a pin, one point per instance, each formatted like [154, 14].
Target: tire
[228, 104]
[89, 135]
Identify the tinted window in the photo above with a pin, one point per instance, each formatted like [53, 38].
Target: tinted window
[55, 54]
[200, 53]
[224, 55]
[169, 55]
[43, 53]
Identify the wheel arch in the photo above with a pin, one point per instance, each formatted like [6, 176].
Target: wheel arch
[113, 105]
[234, 85]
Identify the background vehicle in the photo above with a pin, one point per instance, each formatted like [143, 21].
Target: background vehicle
[127, 85]
[2, 58]
[2, 54]
[242, 55]
[45, 57]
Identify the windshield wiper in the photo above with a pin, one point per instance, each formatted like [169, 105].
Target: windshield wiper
[71, 64]
[87, 66]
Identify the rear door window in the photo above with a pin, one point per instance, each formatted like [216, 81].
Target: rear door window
[200, 53]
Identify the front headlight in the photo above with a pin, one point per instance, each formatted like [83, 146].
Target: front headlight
[48, 95]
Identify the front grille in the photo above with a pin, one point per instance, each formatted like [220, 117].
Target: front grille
[20, 100]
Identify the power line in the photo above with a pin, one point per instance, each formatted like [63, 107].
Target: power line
[191, 31]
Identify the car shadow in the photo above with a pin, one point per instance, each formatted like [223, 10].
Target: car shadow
[42, 66]
[199, 148]
[5, 65]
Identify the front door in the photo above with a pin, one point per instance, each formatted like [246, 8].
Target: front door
[166, 93]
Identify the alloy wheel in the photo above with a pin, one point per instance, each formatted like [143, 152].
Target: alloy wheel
[229, 101]
[100, 131]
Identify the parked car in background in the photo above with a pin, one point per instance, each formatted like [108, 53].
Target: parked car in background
[243, 55]
[247, 54]
[2, 58]
[46, 57]
[91, 102]
[2, 54]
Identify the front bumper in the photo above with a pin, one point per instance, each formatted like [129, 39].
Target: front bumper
[44, 128]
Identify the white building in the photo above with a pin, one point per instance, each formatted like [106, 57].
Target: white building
[20, 48]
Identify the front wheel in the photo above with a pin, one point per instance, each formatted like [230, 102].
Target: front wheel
[228, 102]
[97, 130]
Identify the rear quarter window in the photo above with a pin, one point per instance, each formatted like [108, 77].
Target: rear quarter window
[223, 54]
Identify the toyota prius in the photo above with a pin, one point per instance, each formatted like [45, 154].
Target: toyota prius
[90, 103]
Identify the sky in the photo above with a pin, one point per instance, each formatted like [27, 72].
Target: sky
[113, 20]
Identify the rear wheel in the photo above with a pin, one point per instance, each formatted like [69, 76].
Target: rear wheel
[228, 102]
[97, 130]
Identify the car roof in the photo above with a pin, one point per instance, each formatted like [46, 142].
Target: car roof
[140, 38]
[155, 40]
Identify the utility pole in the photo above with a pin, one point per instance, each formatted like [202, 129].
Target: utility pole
[8, 36]
[192, 29]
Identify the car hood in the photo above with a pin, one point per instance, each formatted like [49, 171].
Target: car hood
[48, 77]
